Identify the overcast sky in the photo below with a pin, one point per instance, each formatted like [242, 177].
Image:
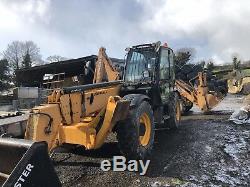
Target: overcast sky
[75, 28]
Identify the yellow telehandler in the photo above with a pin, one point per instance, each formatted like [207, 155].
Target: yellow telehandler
[85, 114]
[147, 96]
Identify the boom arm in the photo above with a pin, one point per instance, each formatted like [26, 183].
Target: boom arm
[104, 71]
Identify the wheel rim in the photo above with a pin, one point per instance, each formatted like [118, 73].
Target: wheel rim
[178, 111]
[145, 129]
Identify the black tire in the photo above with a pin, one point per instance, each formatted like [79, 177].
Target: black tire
[185, 106]
[174, 112]
[246, 89]
[128, 133]
[211, 86]
[181, 76]
[222, 90]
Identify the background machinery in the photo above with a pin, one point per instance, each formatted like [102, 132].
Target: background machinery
[198, 86]
[238, 82]
[199, 93]
[86, 114]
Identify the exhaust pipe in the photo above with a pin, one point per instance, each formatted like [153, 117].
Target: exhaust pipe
[26, 163]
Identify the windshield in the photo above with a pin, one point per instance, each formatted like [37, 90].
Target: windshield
[139, 64]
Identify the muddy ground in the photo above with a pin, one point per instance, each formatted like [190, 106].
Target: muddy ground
[207, 150]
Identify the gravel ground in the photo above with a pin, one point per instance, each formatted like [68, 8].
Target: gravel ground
[207, 150]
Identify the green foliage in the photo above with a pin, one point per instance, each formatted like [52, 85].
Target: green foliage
[202, 64]
[26, 63]
[4, 75]
[210, 66]
[21, 54]
[236, 63]
[183, 56]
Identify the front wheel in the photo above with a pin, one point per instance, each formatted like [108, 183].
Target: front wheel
[136, 134]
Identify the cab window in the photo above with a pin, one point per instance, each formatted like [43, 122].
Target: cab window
[166, 64]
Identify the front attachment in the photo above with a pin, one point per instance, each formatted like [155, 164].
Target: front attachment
[26, 163]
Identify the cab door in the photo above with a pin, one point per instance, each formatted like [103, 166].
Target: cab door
[166, 73]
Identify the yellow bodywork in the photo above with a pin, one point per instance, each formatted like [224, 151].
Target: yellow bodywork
[236, 85]
[83, 118]
[104, 71]
[38, 124]
[145, 121]
[238, 81]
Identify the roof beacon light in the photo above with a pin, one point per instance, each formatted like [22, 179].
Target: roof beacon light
[165, 44]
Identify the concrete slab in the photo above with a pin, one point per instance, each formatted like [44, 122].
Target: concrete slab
[15, 126]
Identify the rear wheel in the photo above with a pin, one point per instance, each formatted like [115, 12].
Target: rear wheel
[174, 111]
[136, 134]
[186, 105]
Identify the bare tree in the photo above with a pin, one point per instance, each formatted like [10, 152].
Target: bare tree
[13, 54]
[55, 58]
[18, 50]
[31, 49]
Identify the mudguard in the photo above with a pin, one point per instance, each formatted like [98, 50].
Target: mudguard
[136, 99]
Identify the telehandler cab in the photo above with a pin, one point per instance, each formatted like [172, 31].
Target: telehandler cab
[84, 115]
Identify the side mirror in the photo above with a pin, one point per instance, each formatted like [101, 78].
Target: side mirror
[127, 49]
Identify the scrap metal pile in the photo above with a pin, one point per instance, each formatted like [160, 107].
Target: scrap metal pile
[241, 116]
